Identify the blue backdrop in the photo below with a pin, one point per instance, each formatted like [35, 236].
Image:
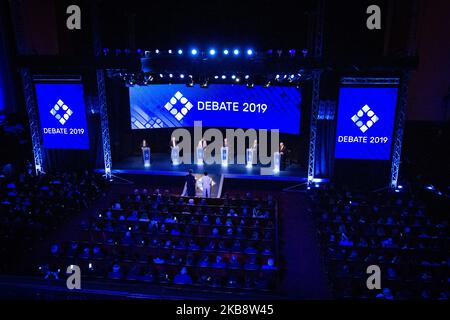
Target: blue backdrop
[365, 123]
[230, 106]
[62, 115]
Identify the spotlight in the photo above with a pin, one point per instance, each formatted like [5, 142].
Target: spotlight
[212, 52]
[216, 77]
[224, 77]
[238, 80]
[277, 76]
[247, 77]
[226, 52]
[236, 52]
[169, 51]
[157, 51]
[170, 75]
[194, 52]
[233, 77]
[249, 52]
[161, 75]
[180, 51]
[181, 76]
[292, 76]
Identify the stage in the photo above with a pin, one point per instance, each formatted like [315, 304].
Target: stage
[161, 170]
[160, 165]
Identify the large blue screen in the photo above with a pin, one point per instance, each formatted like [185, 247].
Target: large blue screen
[229, 106]
[63, 116]
[365, 123]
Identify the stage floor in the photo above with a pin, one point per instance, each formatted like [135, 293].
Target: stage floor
[161, 165]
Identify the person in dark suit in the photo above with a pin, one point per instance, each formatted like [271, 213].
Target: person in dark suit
[190, 184]
[283, 153]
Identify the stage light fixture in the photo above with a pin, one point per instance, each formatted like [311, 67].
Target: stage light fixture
[161, 75]
[224, 77]
[249, 52]
[181, 76]
[226, 52]
[233, 77]
[170, 75]
[277, 76]
[157, 51]
[180, 51]
[169, 51]
[238, 80]
[216, 77]
[236, 52]
[194, 52]
[247, 77]
[212, 52]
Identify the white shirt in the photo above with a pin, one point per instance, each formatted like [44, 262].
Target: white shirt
[206, 182]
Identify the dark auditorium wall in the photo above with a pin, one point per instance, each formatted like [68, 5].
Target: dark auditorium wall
[430, 83]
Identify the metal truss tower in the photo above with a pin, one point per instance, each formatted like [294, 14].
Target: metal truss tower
[399, 128]
[33, 119]
[318, 46]
[104, 123]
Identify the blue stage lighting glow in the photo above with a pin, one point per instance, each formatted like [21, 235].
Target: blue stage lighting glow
[212, 52]
[226, 52]
[180, 51]
[249, 52]
[235, 52]
[194, 52]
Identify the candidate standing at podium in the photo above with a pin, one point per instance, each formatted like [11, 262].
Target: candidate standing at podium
[206, 185]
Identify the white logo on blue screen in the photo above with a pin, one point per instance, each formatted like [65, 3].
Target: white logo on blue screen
[170, 106]
[61, 112]
[360, 118]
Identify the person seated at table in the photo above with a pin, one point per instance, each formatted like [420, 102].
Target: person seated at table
[219, 263]
[193, 246]
[236, 247]
[73, 250]
[108, 215]
[54, 250]
[250, 249]
[133, 216]
[229, 223]
[222, 246]
[232, 213]
[211, 246]
[175, 232]
[251, 264]
[215, 232]
[148, 276]
[168, 244]
[190, 260]
[116, 273]
[86, 253]
[127, 239]
[230, 232]
[134, 273]
[270, 265]
[144, 217]
[97, 253]
[163, 229]
[240, 233]
[234, 262]
[267, 251]
[158, 260]
[205, 220]
[183, 277]
[218, 221]
[204, 261]
[255, 235]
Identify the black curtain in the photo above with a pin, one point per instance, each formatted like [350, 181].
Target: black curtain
[324, 149]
